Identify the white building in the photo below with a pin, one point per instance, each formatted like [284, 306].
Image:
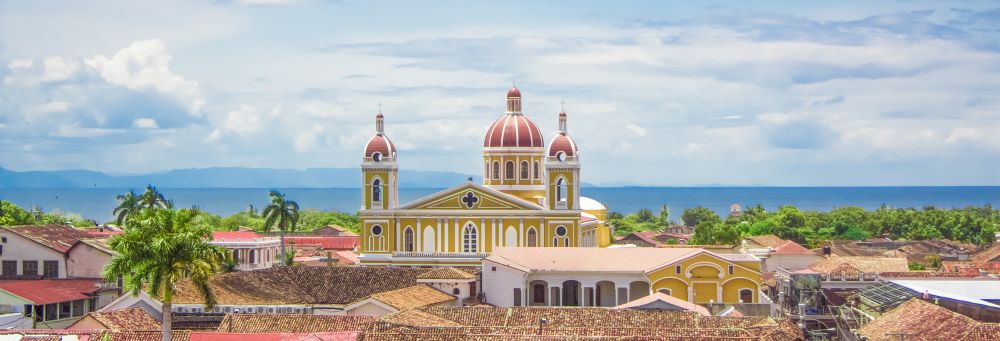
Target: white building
[251, 250]
[608, 277]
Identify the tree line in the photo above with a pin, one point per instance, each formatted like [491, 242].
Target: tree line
[972, 224]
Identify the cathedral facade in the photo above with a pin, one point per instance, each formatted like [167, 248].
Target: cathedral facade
[530, 197]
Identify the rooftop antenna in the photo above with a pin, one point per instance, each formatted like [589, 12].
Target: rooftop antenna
[562, 104]
[379, 107]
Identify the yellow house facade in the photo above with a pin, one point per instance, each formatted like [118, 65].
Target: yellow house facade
[530, 197]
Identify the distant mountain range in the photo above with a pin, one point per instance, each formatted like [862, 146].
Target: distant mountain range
[222, 177]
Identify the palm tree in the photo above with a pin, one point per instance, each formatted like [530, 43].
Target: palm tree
[152, 198]
[160, 248]
[285, 213]
[128, 204]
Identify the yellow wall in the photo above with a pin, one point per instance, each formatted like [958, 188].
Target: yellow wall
[369, 176]
[705, 279]
[570, 188]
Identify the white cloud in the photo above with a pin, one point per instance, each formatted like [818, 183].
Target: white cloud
[145, 123]
[51, 107]
[15, 64]
[214, 136]
[305, 141]
[243, 121]
[636, 129]
[57, 69]
[145, 65]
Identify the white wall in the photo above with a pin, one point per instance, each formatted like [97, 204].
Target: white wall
[20, 249]
[499, 284]
[789, 262]
[448, 287]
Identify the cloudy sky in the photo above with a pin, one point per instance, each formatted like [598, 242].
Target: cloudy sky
[781, 93]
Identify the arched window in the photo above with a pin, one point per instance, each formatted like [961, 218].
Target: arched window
[455, 291]
[664, 291]
[532, 237]
[561, 189]
[376, 191]
[746, 295]
[496, 170]
[470, 239]
[408, 239]
[525, 170]
[538, 174]
[509, 170]
[253, 258]
[538, 293]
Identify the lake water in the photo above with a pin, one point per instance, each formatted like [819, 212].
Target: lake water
[98, 203]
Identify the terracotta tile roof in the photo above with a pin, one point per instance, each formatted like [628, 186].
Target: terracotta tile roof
[301, 285]
[990, 254]
[515, 323]
[446, 273]
[854, 264]
[970, 268]
[175, 335]
[927, 274]
[347, 257]
[134, 318]
[57, 237]
[658, 296]
[412, 297]
[294, 323]
[336, 336]
[51, 334]
[326, 242]
[45, 291]
[768, 240]
[926, 321]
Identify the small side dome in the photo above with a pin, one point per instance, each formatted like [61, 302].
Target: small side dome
[564, 144]
[380, 147]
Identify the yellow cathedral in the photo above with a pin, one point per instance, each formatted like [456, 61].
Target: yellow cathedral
[530, 197]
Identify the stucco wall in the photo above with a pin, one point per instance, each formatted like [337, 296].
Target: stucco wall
[499, 284]
[20, 249]
[86, 261]
[368, 309]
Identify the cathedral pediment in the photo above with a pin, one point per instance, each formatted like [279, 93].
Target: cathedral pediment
[470, 196]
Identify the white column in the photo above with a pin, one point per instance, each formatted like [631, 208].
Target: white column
[447, 238]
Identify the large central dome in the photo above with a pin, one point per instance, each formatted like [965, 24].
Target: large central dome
[513, 129]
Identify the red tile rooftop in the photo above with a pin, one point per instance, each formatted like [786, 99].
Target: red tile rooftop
[230, 235]
[57, 237]
[45, 291]
[326, 242]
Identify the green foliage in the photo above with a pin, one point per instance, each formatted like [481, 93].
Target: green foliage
[159, 249]
[283, 212]
[933, 261]
[916, 266]
[644, 215]
[715, 233]
[311, 219]
[14, 215]
[697, 215]
[290, 257]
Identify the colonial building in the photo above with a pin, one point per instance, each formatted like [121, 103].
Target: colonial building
[608, 277]
[250, 250]
[530, 197]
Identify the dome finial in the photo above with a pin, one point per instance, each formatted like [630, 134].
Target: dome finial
[562, 118]
[379, 124]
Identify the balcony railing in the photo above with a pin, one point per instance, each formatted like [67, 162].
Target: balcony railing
[469, 255]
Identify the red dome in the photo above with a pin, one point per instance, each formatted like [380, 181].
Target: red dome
[513, 130]
[513, 92]
[562, 143]
[380, 144]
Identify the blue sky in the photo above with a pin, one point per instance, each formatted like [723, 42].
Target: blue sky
[659, 93]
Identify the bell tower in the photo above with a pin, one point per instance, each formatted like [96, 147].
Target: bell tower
[562, 170]
[379, 171]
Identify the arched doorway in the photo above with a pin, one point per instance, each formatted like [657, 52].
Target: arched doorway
[605, 294]
[537, 293]
[571, 293]
[637, 290]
